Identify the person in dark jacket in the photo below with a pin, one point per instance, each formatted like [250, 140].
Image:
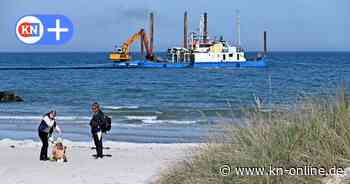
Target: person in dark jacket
[96, 130]
[45, 130]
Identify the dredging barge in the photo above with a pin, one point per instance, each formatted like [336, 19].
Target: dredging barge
[198, 51]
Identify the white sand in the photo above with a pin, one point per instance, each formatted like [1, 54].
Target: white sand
[130, 163]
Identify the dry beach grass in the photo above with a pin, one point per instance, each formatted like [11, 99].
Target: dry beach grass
[316, 133]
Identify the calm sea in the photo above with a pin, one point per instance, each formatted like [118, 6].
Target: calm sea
[156, 105]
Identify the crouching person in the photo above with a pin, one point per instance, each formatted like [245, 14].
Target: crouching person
[96, 123]
[45, 130]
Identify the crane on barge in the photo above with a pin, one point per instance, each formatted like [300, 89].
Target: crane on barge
[121, 54]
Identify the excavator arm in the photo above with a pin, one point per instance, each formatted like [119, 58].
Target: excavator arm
[122, 54]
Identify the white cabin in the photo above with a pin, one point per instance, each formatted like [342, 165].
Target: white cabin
[207, 52]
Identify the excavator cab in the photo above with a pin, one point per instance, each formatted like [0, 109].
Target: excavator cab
[119, 55]
[118, 50]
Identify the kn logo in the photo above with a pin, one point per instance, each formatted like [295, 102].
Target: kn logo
[44, 29]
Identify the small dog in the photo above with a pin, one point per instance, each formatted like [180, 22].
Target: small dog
[59, 152]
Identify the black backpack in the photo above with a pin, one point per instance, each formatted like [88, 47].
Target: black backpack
[106, 124]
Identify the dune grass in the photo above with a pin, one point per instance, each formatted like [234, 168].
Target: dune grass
[316, 134]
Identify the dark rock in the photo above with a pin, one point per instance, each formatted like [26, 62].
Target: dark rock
[8, 96]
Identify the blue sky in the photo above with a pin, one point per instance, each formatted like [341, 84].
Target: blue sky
[303, 25]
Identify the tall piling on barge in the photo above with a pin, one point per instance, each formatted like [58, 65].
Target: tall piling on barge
[151, 17]
[265, 43]
[205, 28]
[185, 30]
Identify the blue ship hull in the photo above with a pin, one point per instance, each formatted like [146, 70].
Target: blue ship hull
[253, 64]
[148, 64]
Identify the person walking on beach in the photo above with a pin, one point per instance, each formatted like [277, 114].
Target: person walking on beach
[96, 123]
[46, 128]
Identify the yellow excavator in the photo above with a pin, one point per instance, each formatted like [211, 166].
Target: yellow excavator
[121, 54]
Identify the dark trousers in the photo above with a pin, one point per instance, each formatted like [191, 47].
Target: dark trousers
[44, 137]
[98, 144]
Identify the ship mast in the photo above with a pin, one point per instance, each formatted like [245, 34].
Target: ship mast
[238, 27]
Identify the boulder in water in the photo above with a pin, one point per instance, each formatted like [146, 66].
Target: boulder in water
[8, 96]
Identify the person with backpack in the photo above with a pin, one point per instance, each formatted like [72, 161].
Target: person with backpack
[97, 124]
[46, 128]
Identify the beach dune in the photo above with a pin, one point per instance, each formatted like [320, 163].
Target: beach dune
[130, 163]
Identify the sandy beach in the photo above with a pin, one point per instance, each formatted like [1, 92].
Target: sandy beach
[131, 163]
